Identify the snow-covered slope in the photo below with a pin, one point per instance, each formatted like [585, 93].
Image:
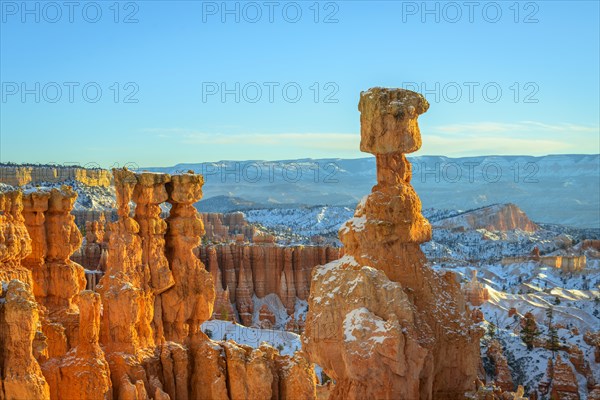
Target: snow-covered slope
[90, 198]
[301, 222]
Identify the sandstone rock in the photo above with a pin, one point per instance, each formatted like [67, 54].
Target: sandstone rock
[564, 382]
[226, 227]
[248, 372]
[287, 288]
[388, 120]
[266, 318]
[83, 372]
[209, 375]
[494, 218]
[577, 358]
[477, 315]
[20, 373]
[503, 378]
[267, 269]
[56, 279]
[90, 254]
[127, 300]
[223, 309]
[244, 290]
[492, 392]
[23, 175]
[380, 298]
[475, 292]
[113, 344]
[15, 242]
[149, 192]
[593, 339]
[190, 301]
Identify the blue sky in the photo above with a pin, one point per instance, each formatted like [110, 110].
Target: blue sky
[501, 77]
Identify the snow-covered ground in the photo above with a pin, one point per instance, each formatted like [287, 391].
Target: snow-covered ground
[532, 287]
[90, 198]
[287, 342]
[298, 225]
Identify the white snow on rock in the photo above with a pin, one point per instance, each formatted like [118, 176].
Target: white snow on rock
[287, 342]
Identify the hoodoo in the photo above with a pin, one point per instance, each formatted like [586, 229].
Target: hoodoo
[381, 323]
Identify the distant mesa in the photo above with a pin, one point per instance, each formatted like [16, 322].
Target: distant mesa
[494, 218]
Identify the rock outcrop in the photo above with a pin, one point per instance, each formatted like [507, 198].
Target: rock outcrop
[156, 348]
[83, 372]
[20, 374]
[380, 322]
[15, 242]
[503, 378]
[23, 175]
[564, 382]
[139, 337]
[475, 292]
[495, 218]
[241, 271]
[190, 301]
[593, 339]
[56, 279]
[92, 253]
[226, 227]
[582, 366]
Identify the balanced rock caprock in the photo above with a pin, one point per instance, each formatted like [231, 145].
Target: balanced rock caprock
[381, 323]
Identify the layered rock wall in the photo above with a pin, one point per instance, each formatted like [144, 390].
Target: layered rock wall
[246, 270]
[139, 337]
[23, 175]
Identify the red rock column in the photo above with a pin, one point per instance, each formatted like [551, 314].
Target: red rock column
[15, 242]
[190, 301]
[20, 374]
[35, 204]
[287, 286]
[380, 322]
[149, 192]
[245, 289]
[125, 288]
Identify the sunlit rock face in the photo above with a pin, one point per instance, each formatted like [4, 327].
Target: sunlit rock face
[139, 336]
[241, 271]
[381, 323]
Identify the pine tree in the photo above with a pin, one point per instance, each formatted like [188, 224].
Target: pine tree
[552, 341]
[491, 331]
[529, 330]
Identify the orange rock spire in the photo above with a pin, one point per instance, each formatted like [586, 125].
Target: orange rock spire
[380, 322]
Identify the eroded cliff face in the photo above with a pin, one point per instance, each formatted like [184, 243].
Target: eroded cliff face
[139, 337]
[380, 322]
[241, 271]
[23, 175]
[21, 375]
[56, 279]
[225, 227]
[563, 380]
[495, 218]
[15, 242]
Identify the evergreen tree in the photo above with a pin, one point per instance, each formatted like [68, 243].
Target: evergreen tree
[529, 330]
[552, 341]
[557, 300]
[491, 331]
